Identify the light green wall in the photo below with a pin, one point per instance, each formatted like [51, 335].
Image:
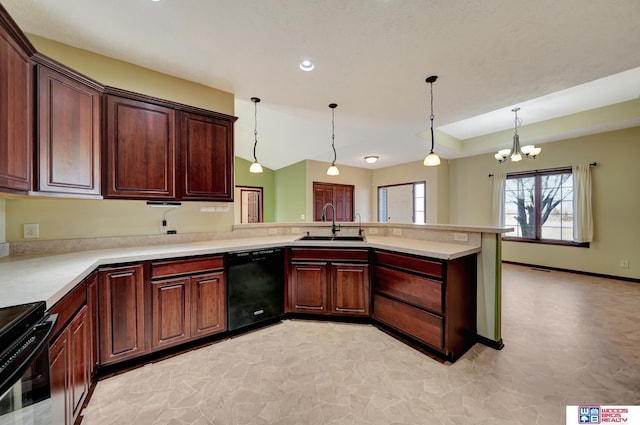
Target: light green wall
[265, 180]
[437, 186]
[616, 201]
[123, 75]
[360, 178]
[291, 193]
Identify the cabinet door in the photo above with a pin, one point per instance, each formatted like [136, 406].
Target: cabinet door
[350, 289]
[68, 134]
[92, 313]
[79, 361]
[121, 313]
[170, 306]
[208, 304]
[206, 158]
[16, 111]
[140, 150]
[59, 379]
[308, 288]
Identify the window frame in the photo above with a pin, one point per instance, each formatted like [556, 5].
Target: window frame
[413, 199]
[537, 175]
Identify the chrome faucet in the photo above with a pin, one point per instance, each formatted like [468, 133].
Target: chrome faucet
[359, 224]
[334, 229]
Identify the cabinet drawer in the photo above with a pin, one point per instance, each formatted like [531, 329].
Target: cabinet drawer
[413, 264]
[329, 254]
[416, 290]
[412, 321]
[186, 266]
[68, 305]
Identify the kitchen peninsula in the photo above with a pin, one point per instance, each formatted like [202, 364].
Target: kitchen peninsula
[49, 275]
[426, 285]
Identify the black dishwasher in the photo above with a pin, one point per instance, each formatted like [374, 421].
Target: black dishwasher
[255, 287]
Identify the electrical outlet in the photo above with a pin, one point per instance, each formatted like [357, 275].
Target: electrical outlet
[397, 232]
[372, 230]
[295, 230]
[462, 237]
[31, 231]
[624, 264]
[272, 231]
[301, 216]
[164, 226]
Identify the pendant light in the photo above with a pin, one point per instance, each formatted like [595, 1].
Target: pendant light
[333, 170]
[432, 159]
[516, 152]
[255, 165]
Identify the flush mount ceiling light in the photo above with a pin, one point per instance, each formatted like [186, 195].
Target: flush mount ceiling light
[432, 159]
[333, 170]
[255, 165]
[307, 65]
[371, 159]
[516, 152]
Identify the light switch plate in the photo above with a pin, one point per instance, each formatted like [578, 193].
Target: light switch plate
[397, 232]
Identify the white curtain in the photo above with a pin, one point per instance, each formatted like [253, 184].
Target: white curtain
[582, 217]
[497, 199]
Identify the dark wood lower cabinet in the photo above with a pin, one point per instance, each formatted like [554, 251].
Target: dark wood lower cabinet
[336, 283]
[208, 304]
[188, 300]
[121, 299]
[431, 301]
[69, 360]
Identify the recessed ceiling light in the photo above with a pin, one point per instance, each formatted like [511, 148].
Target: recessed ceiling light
[307, 65]
[371, 158]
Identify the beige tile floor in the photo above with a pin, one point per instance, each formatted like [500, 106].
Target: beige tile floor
[569, 339]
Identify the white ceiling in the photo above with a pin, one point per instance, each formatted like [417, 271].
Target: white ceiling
[372, 58]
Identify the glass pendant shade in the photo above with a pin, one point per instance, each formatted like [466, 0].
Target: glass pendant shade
[431, 160]
[333, 171]
[255, 168]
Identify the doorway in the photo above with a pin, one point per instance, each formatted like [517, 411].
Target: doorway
[251, 204]
[402, 203]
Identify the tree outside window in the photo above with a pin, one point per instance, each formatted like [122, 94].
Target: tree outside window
[539, 205]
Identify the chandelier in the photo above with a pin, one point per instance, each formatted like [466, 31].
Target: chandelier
[516, 153]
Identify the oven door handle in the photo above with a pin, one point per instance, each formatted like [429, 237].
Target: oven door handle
[15, 361]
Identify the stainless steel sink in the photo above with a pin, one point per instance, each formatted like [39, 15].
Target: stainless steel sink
[336, 238]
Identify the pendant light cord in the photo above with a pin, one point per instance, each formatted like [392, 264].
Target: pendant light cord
[431, 117]
[333, 132]
[255, 130]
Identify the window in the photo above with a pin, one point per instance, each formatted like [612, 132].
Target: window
[539, 206]
[403, 203]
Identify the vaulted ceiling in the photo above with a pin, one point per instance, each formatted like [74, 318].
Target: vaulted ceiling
[552, 58]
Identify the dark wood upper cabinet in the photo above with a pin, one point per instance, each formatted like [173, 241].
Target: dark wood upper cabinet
[68, 146]
[16, 107]
[157, 149]
[140, 160]
[206, 158]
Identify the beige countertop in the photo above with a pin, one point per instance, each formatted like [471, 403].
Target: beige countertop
[25, 279]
